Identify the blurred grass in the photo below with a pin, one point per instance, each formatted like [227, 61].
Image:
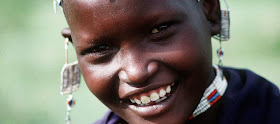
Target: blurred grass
[32, 53]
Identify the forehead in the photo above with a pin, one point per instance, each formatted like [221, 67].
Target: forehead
[97, 9]
[105, 14]
[122, 4]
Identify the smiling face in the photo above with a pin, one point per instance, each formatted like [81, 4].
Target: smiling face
[149, 61]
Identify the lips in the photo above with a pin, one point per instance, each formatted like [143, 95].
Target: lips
[151, 97]
[154, 102]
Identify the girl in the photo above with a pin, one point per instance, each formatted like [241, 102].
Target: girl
[149, 61]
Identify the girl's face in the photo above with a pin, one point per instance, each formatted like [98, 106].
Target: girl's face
[135, 49]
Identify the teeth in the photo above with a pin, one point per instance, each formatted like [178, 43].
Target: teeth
[161, 99]
[168, 89]
[132, 101]
[137, 101]
[154, 96]
[145, 99]
[162, 93]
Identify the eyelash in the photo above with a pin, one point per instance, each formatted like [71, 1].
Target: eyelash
[98, 50]
[162, 31]
[157, 33]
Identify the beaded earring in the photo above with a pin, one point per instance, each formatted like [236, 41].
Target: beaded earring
[218, 87]
[70, 81]
[224, 34]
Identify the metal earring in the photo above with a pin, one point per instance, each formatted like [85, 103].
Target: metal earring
[225, 25]
[70, 81]
[224, 35]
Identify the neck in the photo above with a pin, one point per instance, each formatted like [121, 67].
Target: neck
[211, 114]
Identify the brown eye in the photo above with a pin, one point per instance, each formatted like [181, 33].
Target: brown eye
[162, 31]
[159, 29]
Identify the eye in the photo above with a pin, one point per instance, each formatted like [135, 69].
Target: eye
[163, 31]
[98, 49]
[101, 48]
[159, 29]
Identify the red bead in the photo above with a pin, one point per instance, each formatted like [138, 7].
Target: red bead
[191, 117]
[212, 94]
[220, 52]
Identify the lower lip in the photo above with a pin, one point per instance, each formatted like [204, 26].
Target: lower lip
[158, 108]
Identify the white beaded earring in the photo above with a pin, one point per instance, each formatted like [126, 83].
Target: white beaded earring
[70, 81]
[218, 87]
[224, 34]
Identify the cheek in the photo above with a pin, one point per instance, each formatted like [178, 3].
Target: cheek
[100, 81]
[188, 52]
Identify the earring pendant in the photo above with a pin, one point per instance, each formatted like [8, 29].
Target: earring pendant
[70, 78]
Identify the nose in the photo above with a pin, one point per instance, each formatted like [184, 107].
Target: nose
[136, 73]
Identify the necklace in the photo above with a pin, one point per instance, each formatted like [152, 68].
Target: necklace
[212, 94]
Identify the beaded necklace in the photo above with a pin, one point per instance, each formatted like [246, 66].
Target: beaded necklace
[212, 94]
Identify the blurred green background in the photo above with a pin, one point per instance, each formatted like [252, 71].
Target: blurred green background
[32, 54]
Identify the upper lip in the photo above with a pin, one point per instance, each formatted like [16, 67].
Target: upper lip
[134, 91]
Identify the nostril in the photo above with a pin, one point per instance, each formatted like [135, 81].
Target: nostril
[136, 75]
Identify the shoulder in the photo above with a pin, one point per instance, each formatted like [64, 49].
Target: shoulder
[249, 98]
[245, 82]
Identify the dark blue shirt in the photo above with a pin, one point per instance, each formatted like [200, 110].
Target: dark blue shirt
[249, 99]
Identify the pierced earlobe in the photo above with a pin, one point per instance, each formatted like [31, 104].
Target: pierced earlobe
[215, 27]
[66, 33]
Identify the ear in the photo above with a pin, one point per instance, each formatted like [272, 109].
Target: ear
[213, 14]
[66, 33]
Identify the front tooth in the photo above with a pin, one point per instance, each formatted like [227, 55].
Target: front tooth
[154, 96]
[137, 101]
[162, 93]
[132, 101]
[145, 99]
[168, 89]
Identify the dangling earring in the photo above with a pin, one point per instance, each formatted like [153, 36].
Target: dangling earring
[70, 81]
[224, 35]
[217, 88]
[56, 3]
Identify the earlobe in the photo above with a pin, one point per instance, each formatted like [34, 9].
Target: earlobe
[213, 14]
[66, 33]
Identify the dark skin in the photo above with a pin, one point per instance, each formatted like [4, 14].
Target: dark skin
[121, 55]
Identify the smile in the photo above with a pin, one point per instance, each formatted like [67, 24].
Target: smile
[152, 97]
[154, 102]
